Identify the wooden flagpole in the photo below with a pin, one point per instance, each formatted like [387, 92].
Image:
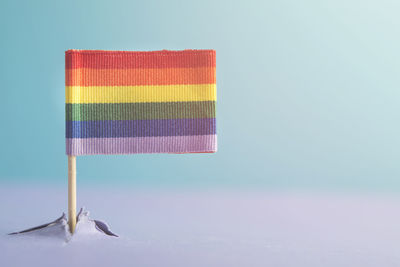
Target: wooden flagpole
[72, 193]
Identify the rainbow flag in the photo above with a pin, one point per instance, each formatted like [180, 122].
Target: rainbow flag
[126, 102]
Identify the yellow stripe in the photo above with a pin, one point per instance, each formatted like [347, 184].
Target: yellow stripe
[137, 94]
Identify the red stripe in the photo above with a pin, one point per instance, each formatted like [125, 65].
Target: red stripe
[99, 59]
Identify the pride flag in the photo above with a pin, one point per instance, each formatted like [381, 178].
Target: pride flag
[124, 102]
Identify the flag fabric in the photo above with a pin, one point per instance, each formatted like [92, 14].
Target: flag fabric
[127, 102]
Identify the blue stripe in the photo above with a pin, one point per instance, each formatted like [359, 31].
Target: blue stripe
[140, 128]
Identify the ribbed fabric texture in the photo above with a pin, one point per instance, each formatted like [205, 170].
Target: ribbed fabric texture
[125, 102]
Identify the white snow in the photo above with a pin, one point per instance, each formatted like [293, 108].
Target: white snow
[204, 228]
[59, 229]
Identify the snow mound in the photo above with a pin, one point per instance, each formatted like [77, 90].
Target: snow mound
[59, 229]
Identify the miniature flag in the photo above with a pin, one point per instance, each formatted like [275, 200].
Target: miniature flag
[125, 102]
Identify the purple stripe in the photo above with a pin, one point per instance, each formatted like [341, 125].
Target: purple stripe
[139, 145]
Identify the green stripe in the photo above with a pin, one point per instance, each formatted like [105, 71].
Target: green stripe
[140, 111]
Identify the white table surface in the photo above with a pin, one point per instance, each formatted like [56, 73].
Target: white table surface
[164, 227]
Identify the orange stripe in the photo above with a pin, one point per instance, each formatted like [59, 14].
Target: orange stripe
[127, 77]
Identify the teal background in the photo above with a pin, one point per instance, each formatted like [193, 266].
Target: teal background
[308, 91]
